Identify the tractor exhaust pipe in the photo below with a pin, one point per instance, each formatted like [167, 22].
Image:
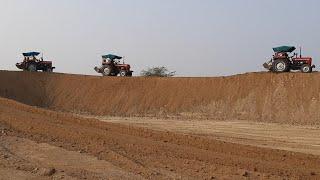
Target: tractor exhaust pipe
[300, 52]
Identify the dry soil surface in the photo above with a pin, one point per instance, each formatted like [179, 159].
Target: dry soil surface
[288, 98]
[305, 139]
[34, 141]
[251, 126]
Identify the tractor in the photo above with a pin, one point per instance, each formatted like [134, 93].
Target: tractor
[111, 66]
[33, 64]
[282, 62]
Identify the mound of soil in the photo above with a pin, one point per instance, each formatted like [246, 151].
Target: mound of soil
[291, 98]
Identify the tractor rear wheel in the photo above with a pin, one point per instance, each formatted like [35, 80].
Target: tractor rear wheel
[107, 71]
[32, 67]
[280, 66]
[306, 68]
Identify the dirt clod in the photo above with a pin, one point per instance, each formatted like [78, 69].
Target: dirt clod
[245, 174]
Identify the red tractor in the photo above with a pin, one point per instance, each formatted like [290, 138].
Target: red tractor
[282, 62]
[32, 63]
[111, 66]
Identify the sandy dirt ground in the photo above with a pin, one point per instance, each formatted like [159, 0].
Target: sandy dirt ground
[250, 126]
[305, 139]
[35, 141]
[25, 159]
[288, 98]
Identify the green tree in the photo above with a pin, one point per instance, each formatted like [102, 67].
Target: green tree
[157, 72]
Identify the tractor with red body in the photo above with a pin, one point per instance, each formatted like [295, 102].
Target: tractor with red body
[111, 66]
[33, 64]
[283, 62]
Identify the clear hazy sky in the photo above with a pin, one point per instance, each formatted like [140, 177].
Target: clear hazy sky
[192, 37]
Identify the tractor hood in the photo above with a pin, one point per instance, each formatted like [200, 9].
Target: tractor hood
[284, 49]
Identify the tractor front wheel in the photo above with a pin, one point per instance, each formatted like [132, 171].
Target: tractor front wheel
[123, 73]
[129, 74]
[32, 68]
[280, 66]
[49, 70]
[306, 68]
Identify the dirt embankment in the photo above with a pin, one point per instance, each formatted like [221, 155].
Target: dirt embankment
[136, 152]
[285, 98]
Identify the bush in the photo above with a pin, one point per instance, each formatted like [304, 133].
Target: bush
[157, 72]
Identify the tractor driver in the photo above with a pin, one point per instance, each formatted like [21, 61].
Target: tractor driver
[108, 61]
[34, 58]
[111, 61]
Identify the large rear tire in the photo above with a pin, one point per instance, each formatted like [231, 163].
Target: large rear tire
[32, 67]
[280, 66]
[306, 68]
[107, 71]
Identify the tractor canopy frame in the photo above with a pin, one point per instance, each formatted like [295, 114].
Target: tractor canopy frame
[284, 49]
[111, 57]
[29, 54]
